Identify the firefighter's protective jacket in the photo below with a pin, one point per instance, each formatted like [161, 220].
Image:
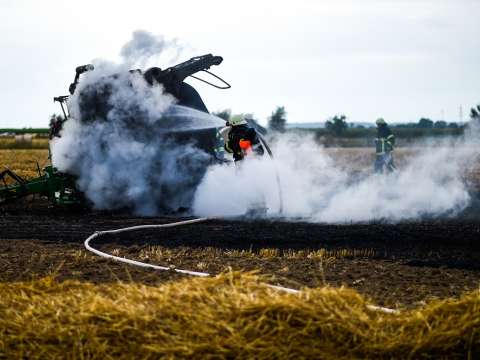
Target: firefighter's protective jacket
[385, 141]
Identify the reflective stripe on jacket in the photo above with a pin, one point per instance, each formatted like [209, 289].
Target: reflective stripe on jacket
[384, 145]
[224, 133]
[219, 144]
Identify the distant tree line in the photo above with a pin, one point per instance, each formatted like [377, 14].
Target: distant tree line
[336, 126]
[425, 123]
[16, 131]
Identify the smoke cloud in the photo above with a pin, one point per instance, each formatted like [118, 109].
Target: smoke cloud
[315, 188]
[126, 159]
[146, 49]
[121, 152]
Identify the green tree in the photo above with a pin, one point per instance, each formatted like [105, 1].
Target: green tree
[337, 124]
[440, 124]
[278, 119]
[425, 123]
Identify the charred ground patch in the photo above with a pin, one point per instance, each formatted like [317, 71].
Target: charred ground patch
[395, 264]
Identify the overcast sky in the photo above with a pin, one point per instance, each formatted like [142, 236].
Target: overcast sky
[399, 59]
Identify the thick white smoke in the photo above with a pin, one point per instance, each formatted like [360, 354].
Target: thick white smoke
[123, 159]
[119, 150]
[315, 188]
[146, 49]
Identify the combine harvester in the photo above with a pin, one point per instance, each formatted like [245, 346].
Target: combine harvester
[60, 188]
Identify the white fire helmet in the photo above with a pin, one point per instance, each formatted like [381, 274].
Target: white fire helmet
[237, 120]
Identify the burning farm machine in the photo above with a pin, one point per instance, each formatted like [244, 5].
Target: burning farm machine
[60, 188]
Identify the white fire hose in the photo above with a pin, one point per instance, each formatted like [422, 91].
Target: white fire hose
[186, 272]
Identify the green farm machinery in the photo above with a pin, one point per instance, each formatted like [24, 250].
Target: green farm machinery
[59, 188]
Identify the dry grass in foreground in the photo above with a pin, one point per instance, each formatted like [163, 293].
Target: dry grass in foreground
[230, 316]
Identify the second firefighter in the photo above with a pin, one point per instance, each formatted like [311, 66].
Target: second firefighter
[384, 144]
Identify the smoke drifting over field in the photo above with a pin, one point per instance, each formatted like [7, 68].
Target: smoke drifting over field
[315, 188]
[125, 160]
[146, 49]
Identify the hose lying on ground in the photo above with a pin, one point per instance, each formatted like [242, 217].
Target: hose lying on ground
[172, 268]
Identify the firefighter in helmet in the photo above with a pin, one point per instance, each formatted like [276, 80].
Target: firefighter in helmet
[241, 139]
[384, 144]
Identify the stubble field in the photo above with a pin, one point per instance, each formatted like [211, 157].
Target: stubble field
[90, 306]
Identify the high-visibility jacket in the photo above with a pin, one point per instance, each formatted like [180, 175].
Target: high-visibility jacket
[385, 141]
[223, 132]
[220, 142]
